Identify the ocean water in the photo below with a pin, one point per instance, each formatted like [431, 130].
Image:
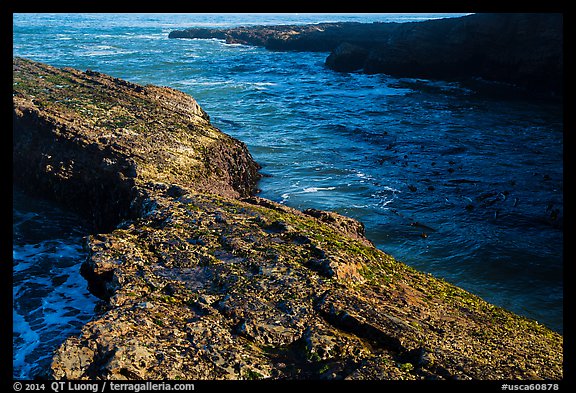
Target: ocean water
[466, 187]
[51, 301]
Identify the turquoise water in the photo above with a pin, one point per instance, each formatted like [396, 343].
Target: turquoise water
[468, 188]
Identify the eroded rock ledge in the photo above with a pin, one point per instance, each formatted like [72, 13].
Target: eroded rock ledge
[90, 140]
[524, 51]
[200, 280]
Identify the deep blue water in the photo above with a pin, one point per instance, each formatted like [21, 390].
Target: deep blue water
[51, 301]
[465, 187]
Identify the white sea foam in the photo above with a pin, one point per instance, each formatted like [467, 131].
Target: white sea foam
[51, 300]
[316, 189]
[149, 36]
[21, 328]
[392, 189]
[363, 175]
[102, 50]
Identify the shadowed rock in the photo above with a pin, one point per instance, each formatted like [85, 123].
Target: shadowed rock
[347, 57]
[519, 50]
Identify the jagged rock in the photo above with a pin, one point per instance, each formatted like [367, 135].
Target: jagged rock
[76, 130]
[73, 360]
[347, 57]
[348, 226]
[199, 283]
[523, 50]
[318, 37]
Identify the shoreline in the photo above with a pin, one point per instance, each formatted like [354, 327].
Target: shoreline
[231, 286]
[514, 53]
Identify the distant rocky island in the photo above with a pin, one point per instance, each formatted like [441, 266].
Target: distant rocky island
[201, 279]
[523, 51]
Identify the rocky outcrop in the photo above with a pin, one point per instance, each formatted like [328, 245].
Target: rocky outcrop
[347, 57]
[89, 139]
[524, 50]
[321, 37]
[212, 283]
[520, 50]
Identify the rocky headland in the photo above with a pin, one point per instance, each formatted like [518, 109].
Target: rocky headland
[522, 51]
[200, 279]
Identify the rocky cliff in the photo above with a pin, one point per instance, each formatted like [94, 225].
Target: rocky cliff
[521, 50]
[201, 280]
[90, 140]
